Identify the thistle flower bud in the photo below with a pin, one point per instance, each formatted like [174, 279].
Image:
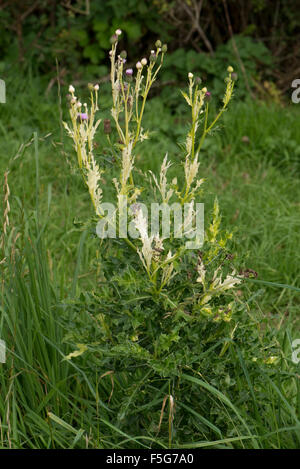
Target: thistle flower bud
[144, 61]
[139, 65]
[113, 39]
[96, 87]
[123, 54]
[190, 75]
[204, 90]
[158, 43]
[71, 89]
[118, 32]
[164, 48]
[207, 96]
[79, 104]
[198, 80]
[129, 72]
[73, 100]
[152, 57]
[230, 69]
[90, 86]
[106, 126]
[234, 76]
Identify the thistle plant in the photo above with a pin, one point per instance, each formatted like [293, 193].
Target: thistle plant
[164, 259]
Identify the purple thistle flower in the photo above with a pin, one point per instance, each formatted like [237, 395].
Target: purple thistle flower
[82, 116]
[208, 95]
[129, 72]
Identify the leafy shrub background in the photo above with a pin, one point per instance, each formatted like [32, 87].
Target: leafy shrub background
[77, 34]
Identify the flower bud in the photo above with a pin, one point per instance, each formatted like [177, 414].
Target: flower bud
[118, 32]
[123, 54]
[164, 48]
[90, 86]
[96, 87]
[144, 61]
[204, 89]
[207, 96]
[158, 43]
[190, 75]
[139, 65]
[234, 76]
[71, 89]
[113, 39]
[198, 80]
[129, 72]
[152, 57]
[230, 69]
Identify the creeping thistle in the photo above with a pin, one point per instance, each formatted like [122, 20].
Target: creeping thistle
[130, 89]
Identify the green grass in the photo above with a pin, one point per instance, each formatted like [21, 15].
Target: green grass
[49, 402]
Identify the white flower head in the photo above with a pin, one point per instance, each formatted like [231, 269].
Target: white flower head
[118, 32]
[71, 89]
